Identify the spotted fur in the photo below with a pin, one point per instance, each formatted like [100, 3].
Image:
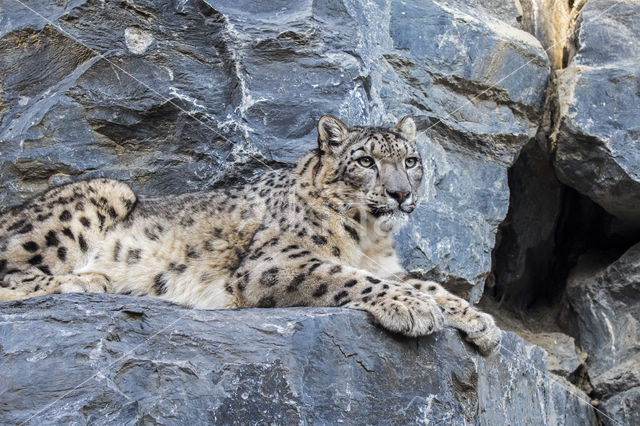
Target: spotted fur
[317, 234]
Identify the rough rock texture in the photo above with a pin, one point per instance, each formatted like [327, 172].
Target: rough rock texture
[179, 96]
[574, 208]
[116, 359]
[603, 309]
[598, 125]
[564, 360]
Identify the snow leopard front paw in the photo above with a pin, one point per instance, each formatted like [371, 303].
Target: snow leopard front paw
[483, 333]
[403, 311]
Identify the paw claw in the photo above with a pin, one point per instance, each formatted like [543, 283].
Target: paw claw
[416, 315]
[487, 338]
[89, 283]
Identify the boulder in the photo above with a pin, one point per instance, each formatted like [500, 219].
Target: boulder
[183, 96]
[602, 308]
[96, 358]
[596, 140]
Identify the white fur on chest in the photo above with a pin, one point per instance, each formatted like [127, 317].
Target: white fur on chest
[379, 256]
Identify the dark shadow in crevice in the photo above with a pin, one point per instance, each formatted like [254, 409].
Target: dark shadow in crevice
[548, 227]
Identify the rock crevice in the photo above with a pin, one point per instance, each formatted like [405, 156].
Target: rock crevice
[573, 215]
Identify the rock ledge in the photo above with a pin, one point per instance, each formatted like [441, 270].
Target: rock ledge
[94, 358]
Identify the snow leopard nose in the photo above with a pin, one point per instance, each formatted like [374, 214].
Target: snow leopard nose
[398, 196]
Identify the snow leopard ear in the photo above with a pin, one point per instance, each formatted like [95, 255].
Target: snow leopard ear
[331, 133]
[407, 128]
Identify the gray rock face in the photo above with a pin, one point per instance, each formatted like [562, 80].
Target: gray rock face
[182, 96]
[564, 360]
[599, 92]
[116, 359]
[603, 308]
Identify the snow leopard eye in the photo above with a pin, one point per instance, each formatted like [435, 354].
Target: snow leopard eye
[410, 162]
[366, 162]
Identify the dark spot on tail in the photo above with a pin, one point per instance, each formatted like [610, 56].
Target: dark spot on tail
[51, 239]
[373, 280]
[295, 283]
[269, 277]
[192, 253]
[62, 253]
[68, 233]
[339, 296]
[133, 256]
[320, 291]
[16, 225]
[83, 243]
[179, 268]
[42, 217]
[31, 246]
[150, 234]
[351, 283]
[313, 267]
[299, 254]
[242, 284]
[319, 240]
[101, 220]
[160, 284]
[128, 203]
[266, 302]
[116, 251]
[45, 269]
[27, 228]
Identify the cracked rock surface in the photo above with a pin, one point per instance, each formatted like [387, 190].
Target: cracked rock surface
[97, 358]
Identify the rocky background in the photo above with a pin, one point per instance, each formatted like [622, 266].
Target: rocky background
[529, 114]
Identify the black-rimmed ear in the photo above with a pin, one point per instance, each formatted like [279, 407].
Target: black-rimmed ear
[407, 128]
[331, 132]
